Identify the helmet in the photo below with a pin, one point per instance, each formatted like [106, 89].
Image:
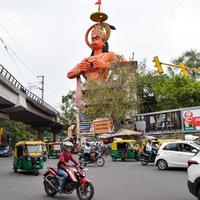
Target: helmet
[67, 144]
[88, 144]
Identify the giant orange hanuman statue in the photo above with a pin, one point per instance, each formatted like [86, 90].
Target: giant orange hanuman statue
[96, 66]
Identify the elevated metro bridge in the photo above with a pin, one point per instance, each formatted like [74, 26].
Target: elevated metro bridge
[19, 104]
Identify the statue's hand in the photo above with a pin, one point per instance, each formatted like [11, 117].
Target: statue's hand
[99, 64]
[84, 67]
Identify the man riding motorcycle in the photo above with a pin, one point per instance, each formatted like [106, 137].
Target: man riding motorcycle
[65, 157]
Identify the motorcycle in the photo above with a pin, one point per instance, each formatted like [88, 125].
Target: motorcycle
[145, 157]
[94, 158]
[76, 181]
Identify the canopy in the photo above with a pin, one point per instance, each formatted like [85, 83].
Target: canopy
[126, 132]
[149, 137]
[104, 136]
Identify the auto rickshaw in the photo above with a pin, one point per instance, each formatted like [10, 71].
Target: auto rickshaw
[54, 149]
[29, 156]
[124, 149]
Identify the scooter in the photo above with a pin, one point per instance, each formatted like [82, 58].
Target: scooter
[145, 157]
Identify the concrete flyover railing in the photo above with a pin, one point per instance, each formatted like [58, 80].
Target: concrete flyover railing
[21, 88]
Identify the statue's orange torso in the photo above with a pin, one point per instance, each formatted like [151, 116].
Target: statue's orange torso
[92, 74]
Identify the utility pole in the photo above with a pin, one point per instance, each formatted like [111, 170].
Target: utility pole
[42, 88]
[38, 85]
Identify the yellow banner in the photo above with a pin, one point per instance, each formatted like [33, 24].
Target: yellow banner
[102, 126]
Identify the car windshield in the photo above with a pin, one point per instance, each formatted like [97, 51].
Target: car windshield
[33, 148]
[196, 144]
[3, 147]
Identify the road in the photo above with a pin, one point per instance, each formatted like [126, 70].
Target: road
[115, 181]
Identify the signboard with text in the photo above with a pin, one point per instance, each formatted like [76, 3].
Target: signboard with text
[102, 126]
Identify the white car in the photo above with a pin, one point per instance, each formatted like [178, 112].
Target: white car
[176, 154]
[194, 175]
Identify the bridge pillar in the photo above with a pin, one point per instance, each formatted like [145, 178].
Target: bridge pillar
[3, 117]
[39, 135]
[55, 137]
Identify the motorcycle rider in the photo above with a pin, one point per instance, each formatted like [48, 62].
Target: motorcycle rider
[87, 151]
[65, 157]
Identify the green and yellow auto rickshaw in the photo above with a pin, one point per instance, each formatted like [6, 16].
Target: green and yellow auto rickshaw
[29, 156]
[124, 149]
[54, 149]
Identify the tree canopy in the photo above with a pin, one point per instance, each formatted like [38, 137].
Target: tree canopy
[113, 98]
[69, 110]
[191, 58]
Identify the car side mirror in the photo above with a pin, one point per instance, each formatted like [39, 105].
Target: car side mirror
[194, 151]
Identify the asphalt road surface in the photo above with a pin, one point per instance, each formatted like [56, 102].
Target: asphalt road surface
[114, 181]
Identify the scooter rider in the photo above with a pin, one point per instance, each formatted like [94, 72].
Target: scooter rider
[65, 157]
[149, 149]
[87, 151]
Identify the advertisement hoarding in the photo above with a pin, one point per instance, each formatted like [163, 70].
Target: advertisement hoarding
[191, 120]
[158, 122]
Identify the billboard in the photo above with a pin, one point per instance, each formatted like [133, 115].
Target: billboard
[102, 126]
[191, 120]
[85, 124]
[158, 122]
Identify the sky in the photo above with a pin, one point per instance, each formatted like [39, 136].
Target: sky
[46, 37]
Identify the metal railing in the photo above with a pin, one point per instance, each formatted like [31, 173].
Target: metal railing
[21, 88]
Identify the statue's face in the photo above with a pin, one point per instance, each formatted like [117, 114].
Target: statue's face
[97, 43]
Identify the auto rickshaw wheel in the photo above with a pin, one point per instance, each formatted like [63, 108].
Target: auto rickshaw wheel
[15, 169]
[36, 172]
[113, 159]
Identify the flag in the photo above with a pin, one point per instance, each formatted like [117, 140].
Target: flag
[98, 2]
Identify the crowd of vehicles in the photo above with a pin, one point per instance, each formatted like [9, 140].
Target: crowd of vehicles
[166, 153]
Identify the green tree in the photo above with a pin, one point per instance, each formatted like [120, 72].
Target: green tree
[69, 110]
[176, 92]
[147, 100]
[18, 131]
[191, 59]
[113, 98]
[168, 92]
